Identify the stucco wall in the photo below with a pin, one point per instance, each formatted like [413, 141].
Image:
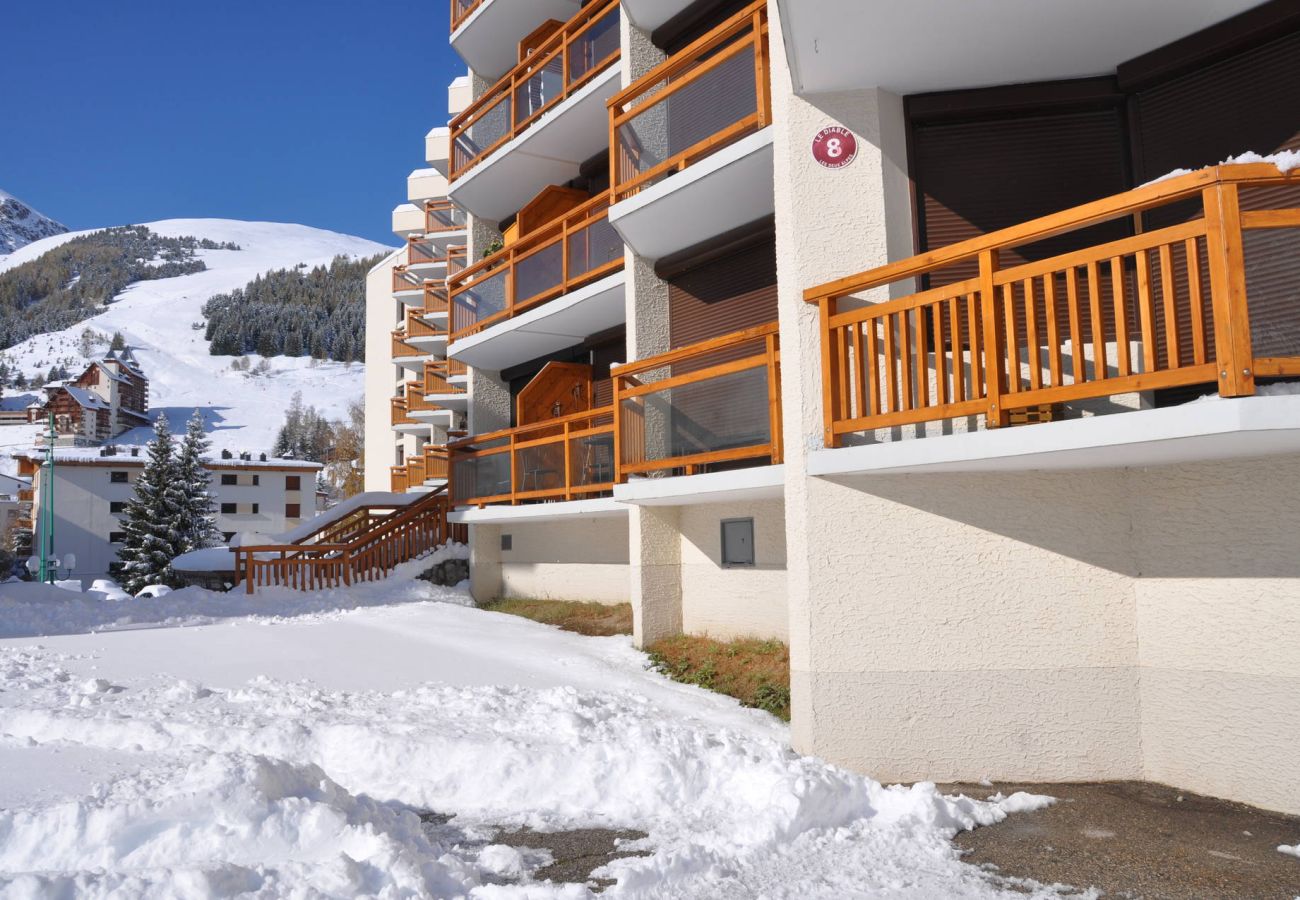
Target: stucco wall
[727, 603]
[1218, 619]
[381, 375]
[579, 559]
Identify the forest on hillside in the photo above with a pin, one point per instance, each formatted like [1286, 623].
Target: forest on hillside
[77, 279]
[319, 312]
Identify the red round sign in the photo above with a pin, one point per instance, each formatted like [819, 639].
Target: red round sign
[834, 147]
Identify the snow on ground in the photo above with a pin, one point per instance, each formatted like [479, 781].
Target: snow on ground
[243, 411]
[287, 756]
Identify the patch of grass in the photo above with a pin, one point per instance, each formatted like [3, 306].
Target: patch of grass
[755, 672]
[595, 619]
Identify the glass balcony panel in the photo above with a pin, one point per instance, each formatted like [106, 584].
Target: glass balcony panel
[593, 247]
[593, 46]
[539, 272]
[723, 413]
[540, 89]
[482, 299]
[491, 125]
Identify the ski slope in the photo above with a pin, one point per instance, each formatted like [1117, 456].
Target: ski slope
[242, 411]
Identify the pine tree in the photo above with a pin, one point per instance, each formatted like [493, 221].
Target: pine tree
[118, 342]
[151, 540]
[196, 522]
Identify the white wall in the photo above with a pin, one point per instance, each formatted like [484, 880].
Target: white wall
[582, 559]
[727, 603]
[381, 375]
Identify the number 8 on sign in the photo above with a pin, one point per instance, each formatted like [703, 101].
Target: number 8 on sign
[834, 147]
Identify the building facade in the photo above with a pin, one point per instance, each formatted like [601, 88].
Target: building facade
[801, 320]
[92, 487]
[111, 396]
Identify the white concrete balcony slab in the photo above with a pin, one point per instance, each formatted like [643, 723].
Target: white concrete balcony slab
[756, 483]
[408, 220]
[552, 326]
[413, 363]
[458, 400]
[437, 149]
[417, 428]
[424, 185]
[431, 343]
[721, 192]
[488, 38]
[1194, 432]
[595, 508]
[839, 45]
[548, 152]
[650, 14]
[442, 417]
[460, 94]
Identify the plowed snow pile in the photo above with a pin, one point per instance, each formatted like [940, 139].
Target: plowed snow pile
[276, 756]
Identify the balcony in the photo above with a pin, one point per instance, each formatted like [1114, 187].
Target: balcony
[427, 337]
[1202, 299]
[403, 353]
[402, 421]
[691, 157]
[422, 410]
[424, 258]
[408, 219]
[407, 286]
[428, 470]
[436, 309]
[712, 407]
[541, 120]
[442, 217]
[437, 149]
[544, 292]
[486, 34]
[424, 185]
[439, 390]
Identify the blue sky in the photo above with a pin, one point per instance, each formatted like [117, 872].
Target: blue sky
[280, 110]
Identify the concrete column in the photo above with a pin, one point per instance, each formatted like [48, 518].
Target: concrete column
[829, 223]
[484, 562]
[656, 570]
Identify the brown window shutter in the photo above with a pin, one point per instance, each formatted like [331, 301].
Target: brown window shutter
[725, 294]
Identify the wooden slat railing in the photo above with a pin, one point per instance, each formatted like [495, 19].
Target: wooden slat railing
[441, 216]
[421, 251]
[559, 459]
[461, 10]
[416, 327]
[415, 401]
[721, 91]
[435, 379]
[401, 349]
[407, 534]
[406, 281]
[398, 479]
[573, 250]
[587, 45]
[400, 414]
[1160, 309]
[436, 461]
[455, 367]
[716, 401]
[435, 298]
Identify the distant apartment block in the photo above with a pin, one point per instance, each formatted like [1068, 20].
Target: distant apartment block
[266, 496]
[111, 396]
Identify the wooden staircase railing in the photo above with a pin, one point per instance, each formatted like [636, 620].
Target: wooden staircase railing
[405, 534]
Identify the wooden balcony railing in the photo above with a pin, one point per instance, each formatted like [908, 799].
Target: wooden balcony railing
[403, 350]
[586, 45]
[441, 216]
[408, 533]
[435, 298]
[455, 367]
[461, 10]
[400, 414]
[710, 94]
[421, 251]
[456, 260]
[435, 379]
[573, 250]
[1202, 300]
[415, 401]
[559, 459]
[717, 401]
[415, 471]
[436, 462]
[399, 480]
[406, 281]
[416, 327]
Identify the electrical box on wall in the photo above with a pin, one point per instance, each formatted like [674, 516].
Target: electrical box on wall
[737, 542]
[507, 542]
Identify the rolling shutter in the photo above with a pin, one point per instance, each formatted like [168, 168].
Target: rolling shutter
[723, 294]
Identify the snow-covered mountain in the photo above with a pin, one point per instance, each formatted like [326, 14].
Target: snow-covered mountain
[20, 224]
[157, 318]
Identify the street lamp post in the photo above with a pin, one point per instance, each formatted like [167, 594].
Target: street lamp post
[47, 506]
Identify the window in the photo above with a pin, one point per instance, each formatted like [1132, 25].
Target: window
[118, 477]
[227, 536]
[117, 506]
[255, 509]
[257, 479]
[292, 510]
[229, 509]
[229, 478]
[293, 483]
[116, 537]
[737, 542]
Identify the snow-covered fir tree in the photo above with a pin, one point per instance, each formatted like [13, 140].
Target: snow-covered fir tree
[150, 536]
[196, 515]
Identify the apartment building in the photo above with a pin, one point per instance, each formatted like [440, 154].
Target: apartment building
[92, 486]
[109, 397]
[882, 332]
